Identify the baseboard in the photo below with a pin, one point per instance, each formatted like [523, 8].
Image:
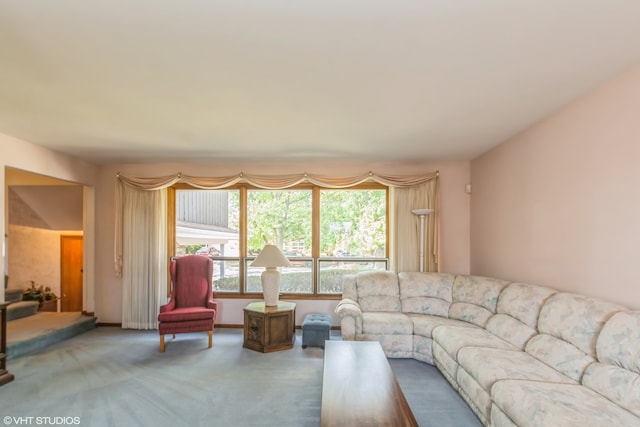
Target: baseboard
[217, 325]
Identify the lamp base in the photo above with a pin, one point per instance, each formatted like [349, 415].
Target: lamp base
[270, 286]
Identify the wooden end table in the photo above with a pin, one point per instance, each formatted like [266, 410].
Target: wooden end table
[269, 328]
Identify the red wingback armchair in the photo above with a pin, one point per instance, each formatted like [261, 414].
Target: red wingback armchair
[191, 307]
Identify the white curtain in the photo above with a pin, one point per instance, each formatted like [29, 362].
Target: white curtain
[144, 260]
[406, 233]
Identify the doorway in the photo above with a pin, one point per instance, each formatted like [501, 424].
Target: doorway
[71, 273]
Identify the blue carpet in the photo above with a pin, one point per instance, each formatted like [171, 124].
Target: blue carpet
[114, 377]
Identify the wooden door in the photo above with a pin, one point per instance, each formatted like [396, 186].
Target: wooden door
[71, 273]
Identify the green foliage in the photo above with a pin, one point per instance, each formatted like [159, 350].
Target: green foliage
[191, 249]
[38, 293]
[278, 217]
[353, 222]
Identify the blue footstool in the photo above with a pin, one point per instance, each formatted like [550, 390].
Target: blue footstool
[315, 330]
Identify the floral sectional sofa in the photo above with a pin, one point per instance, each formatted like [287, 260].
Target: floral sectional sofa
[519, 354]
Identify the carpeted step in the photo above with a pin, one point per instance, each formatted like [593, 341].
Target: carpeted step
[13, 295]
[18, 310]
[33, 334]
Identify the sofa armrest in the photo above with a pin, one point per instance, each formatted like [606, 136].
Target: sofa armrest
[351, 318]
[348, 307]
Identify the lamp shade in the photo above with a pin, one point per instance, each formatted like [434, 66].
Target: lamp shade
[422, 211]
[271, 256]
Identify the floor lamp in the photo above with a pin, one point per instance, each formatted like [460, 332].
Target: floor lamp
[422, 213]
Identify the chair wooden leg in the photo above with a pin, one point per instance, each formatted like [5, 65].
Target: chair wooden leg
[161, 343]
[210, 338]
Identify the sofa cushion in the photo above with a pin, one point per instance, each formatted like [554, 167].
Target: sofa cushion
[499, 419]
[619, 341]
[447, 366]
[453, 338]
[517, 312]
[394, 346]
[478, 399]
[488, 365]
[568, 328]
[510, 329]
[561, 355]
[349, 287]
[523, 302]
[424, 324]
[187, 314]
[475, 298]
[616, 384]
[576, 319]
[536, 403]
[425, 293]
[378, 291]
[386, 323]
[618, 348]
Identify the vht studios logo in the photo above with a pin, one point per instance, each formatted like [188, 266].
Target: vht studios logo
[44, 421]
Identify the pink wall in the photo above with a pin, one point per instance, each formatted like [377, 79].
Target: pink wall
[454, 223]
[104, 289]
[559, 205]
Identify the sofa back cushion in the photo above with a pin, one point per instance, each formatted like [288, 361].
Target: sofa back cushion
[617, 375]
[518, 308]
[378, 291]
[426, 293]
[568, 328]
[349, 287]
[475, 298]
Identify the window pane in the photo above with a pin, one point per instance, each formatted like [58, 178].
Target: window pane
[297, 279]
[353, 223]
[332, 271]
[282, 218]
[207, 224]
[252, 275]
[226, 276]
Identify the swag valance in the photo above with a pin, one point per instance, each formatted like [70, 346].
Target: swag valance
[275, 182]
[411, 192]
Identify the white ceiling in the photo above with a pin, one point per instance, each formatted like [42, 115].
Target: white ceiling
[299, 80]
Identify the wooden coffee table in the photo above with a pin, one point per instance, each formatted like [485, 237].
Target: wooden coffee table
[359, 388]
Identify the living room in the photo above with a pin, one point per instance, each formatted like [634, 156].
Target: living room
[553, 202]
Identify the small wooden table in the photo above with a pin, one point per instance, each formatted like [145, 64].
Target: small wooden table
[359, 388]
[269, 328]
[5, 376]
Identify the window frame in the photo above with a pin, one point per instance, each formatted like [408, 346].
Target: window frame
[244, 259]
